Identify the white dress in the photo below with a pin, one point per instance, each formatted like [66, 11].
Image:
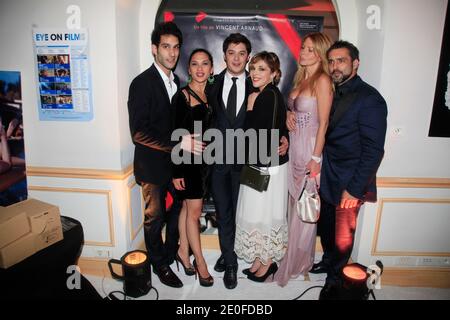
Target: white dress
[261, 219]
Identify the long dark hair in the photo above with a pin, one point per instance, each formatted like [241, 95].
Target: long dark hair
[201, 50]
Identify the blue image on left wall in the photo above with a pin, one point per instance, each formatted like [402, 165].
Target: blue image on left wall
[13, 182]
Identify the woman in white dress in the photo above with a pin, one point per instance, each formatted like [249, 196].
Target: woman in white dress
[261, 224]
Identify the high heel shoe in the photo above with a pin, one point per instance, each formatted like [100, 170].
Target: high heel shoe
[204, 282]
[189, 271]
[271, 271]
[247, 272]
[212, 218]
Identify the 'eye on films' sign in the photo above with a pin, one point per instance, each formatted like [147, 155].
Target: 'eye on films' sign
[63, 74]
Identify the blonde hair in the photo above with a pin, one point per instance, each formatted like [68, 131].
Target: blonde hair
[321, 43]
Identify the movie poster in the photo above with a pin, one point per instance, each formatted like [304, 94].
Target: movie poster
[13, 183]
[440, 118]
[271, 32]
[63, 72]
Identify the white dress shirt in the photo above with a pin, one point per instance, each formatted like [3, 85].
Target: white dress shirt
[240, 86]
[171, 86]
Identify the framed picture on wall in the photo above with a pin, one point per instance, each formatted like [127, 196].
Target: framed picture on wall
[440, 118]
[13, 184]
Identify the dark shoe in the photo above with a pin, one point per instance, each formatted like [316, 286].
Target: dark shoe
[271, 271]
[202, 227]
[247, 272]
[204, 282]
[189, 271]
[320, 267]
[329, 292]
[230, 277]
[220, 264]
[212, 218]
[167, 277]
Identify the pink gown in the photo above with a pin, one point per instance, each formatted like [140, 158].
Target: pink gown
[299, 257]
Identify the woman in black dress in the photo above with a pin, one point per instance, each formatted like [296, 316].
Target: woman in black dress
[190, 179]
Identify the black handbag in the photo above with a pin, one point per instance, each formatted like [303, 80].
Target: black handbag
[253, 176]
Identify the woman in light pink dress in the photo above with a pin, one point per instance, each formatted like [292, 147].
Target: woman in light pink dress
[309, 104]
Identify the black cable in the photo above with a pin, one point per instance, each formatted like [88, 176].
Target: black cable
[307, 291]
[372, 294]
[157, 293]
[111, 295]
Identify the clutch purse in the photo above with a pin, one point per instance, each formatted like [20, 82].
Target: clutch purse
[255, 177]
[308, 205]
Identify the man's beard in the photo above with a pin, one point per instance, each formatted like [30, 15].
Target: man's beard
[339, 77]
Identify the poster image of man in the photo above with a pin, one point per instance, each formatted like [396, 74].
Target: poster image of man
[47, 87]
[62, 72]
[46, 75]
[264, 33]
[64, 101]
[47, 100]
[62, 59]
[46, 59]
[63, 88]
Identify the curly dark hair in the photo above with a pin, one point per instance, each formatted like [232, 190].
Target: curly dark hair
[166, 28]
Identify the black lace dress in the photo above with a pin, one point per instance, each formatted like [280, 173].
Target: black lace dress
[196, 173]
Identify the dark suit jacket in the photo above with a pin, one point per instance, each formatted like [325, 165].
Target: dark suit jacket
[151, 125]
[261, 117]
[220, 118]
[354, 144]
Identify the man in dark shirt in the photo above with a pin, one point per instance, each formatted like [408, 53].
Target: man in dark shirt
[354, 148]
[150, 117]
[228, 97]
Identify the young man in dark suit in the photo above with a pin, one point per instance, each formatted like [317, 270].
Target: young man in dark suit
[150, 118]
[228, 98]
[354, 148]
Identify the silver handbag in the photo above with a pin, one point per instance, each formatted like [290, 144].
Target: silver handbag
[308, 205]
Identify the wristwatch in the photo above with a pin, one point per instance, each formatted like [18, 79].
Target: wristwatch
[316, 159]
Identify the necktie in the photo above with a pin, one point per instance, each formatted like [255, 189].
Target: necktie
[232, 100]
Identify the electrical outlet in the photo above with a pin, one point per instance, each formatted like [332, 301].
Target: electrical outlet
[103, 253]
[447, 262]
[397, 131]
[405, 261]
[434, 261]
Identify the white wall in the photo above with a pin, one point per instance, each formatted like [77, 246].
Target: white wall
[370, 42]
[128, 66]
[94, 144]
[413, 37]
[347, 15]
[102, 203]
[147, 17]
[401, 61]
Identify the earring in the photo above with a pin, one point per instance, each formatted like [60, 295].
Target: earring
[189, 80]
[211, 79]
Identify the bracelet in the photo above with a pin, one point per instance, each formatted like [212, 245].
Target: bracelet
[316, 159]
